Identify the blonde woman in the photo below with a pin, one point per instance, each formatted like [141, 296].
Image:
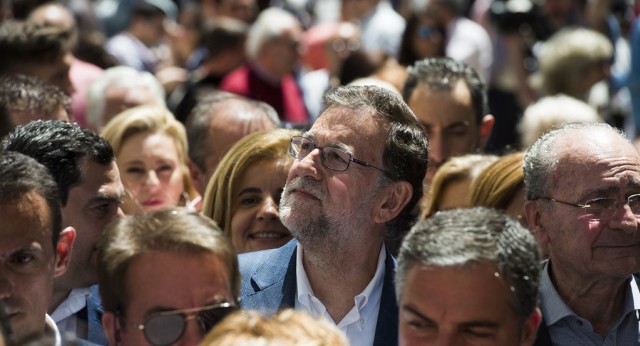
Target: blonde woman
[244, 192]
[151, 151]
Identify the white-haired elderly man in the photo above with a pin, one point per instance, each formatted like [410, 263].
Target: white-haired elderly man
[273, 54]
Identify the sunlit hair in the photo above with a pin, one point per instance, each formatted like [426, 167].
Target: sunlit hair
[287, 328]
[568, 55]
[177, 231]
[151, 119]
[270, 24]
[465, 167]
[123, 77]
[469, 236]
[497, 185]
[270, 145]
[551, 111]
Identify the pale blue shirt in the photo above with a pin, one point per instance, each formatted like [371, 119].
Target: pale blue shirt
[567, 328]
[359, 324]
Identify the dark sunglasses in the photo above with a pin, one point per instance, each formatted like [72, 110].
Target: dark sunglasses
[167, 327]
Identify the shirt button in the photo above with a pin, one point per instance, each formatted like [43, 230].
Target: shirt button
[361, 321]
[579, 322]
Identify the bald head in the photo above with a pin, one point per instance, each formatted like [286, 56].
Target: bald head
[216, 124]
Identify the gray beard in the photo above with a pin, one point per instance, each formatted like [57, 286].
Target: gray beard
[316, 231]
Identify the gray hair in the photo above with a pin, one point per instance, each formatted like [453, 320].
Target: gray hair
[552, 111]
[406, 149]
[462, 237]
[123, 77]
[270, 24]
[541, 160]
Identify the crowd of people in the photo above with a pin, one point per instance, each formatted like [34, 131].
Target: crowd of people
[339, 172]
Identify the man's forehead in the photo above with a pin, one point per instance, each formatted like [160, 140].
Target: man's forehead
[30, 224]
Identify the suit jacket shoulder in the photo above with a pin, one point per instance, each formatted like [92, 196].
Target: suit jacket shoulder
[268, 279]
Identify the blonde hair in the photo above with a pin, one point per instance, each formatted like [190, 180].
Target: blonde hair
[567, 55]
[151, 119]
[457, 168]
[497, 185]
[270, 145]
[287, 328]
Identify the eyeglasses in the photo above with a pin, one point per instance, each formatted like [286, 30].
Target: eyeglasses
[333, 158]
[167, 327]
[603, 208]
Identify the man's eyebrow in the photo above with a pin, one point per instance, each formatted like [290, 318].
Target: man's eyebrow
[480, 323]
[101, 198]
[414, 311]
[464, 123]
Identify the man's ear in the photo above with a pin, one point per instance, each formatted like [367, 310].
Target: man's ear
[530, 328]
[534, 222]
[396, 197]
[63, 250]
[486, 126]
[196, 176]
[111, 329]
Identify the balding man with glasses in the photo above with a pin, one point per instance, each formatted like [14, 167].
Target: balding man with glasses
[583, 204]
[357, 176]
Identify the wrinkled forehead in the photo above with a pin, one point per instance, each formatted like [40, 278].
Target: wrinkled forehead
[347, 124]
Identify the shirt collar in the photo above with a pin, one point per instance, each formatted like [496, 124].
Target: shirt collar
[75, 301]
[371, 293]
[554, 309]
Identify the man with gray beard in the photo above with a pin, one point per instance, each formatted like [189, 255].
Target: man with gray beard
[357, 176]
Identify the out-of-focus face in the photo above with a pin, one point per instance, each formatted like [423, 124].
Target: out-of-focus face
[226, 128]
[449, 120]
[92, 204]
[118, 99]
[23, 118]
[244, 10]
[354, 9]
[165, 281]
[255, 221]
[515, 209]
[55, 73]
[27, 263]
[427, 40]
[458, 306]
[152, 172]
[283, 53]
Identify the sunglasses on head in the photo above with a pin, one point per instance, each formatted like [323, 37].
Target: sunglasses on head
[167, 327]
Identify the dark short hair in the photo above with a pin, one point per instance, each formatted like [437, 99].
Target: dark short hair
[21, 175]
[462, 237]
[443, 74]
[223, 34]
[177, 231]
[26, 94]
[405, 150]
[59, 146]
[24, 43]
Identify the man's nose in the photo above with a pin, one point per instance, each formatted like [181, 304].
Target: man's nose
[193, 334]
[309, 166]
[437, 148]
